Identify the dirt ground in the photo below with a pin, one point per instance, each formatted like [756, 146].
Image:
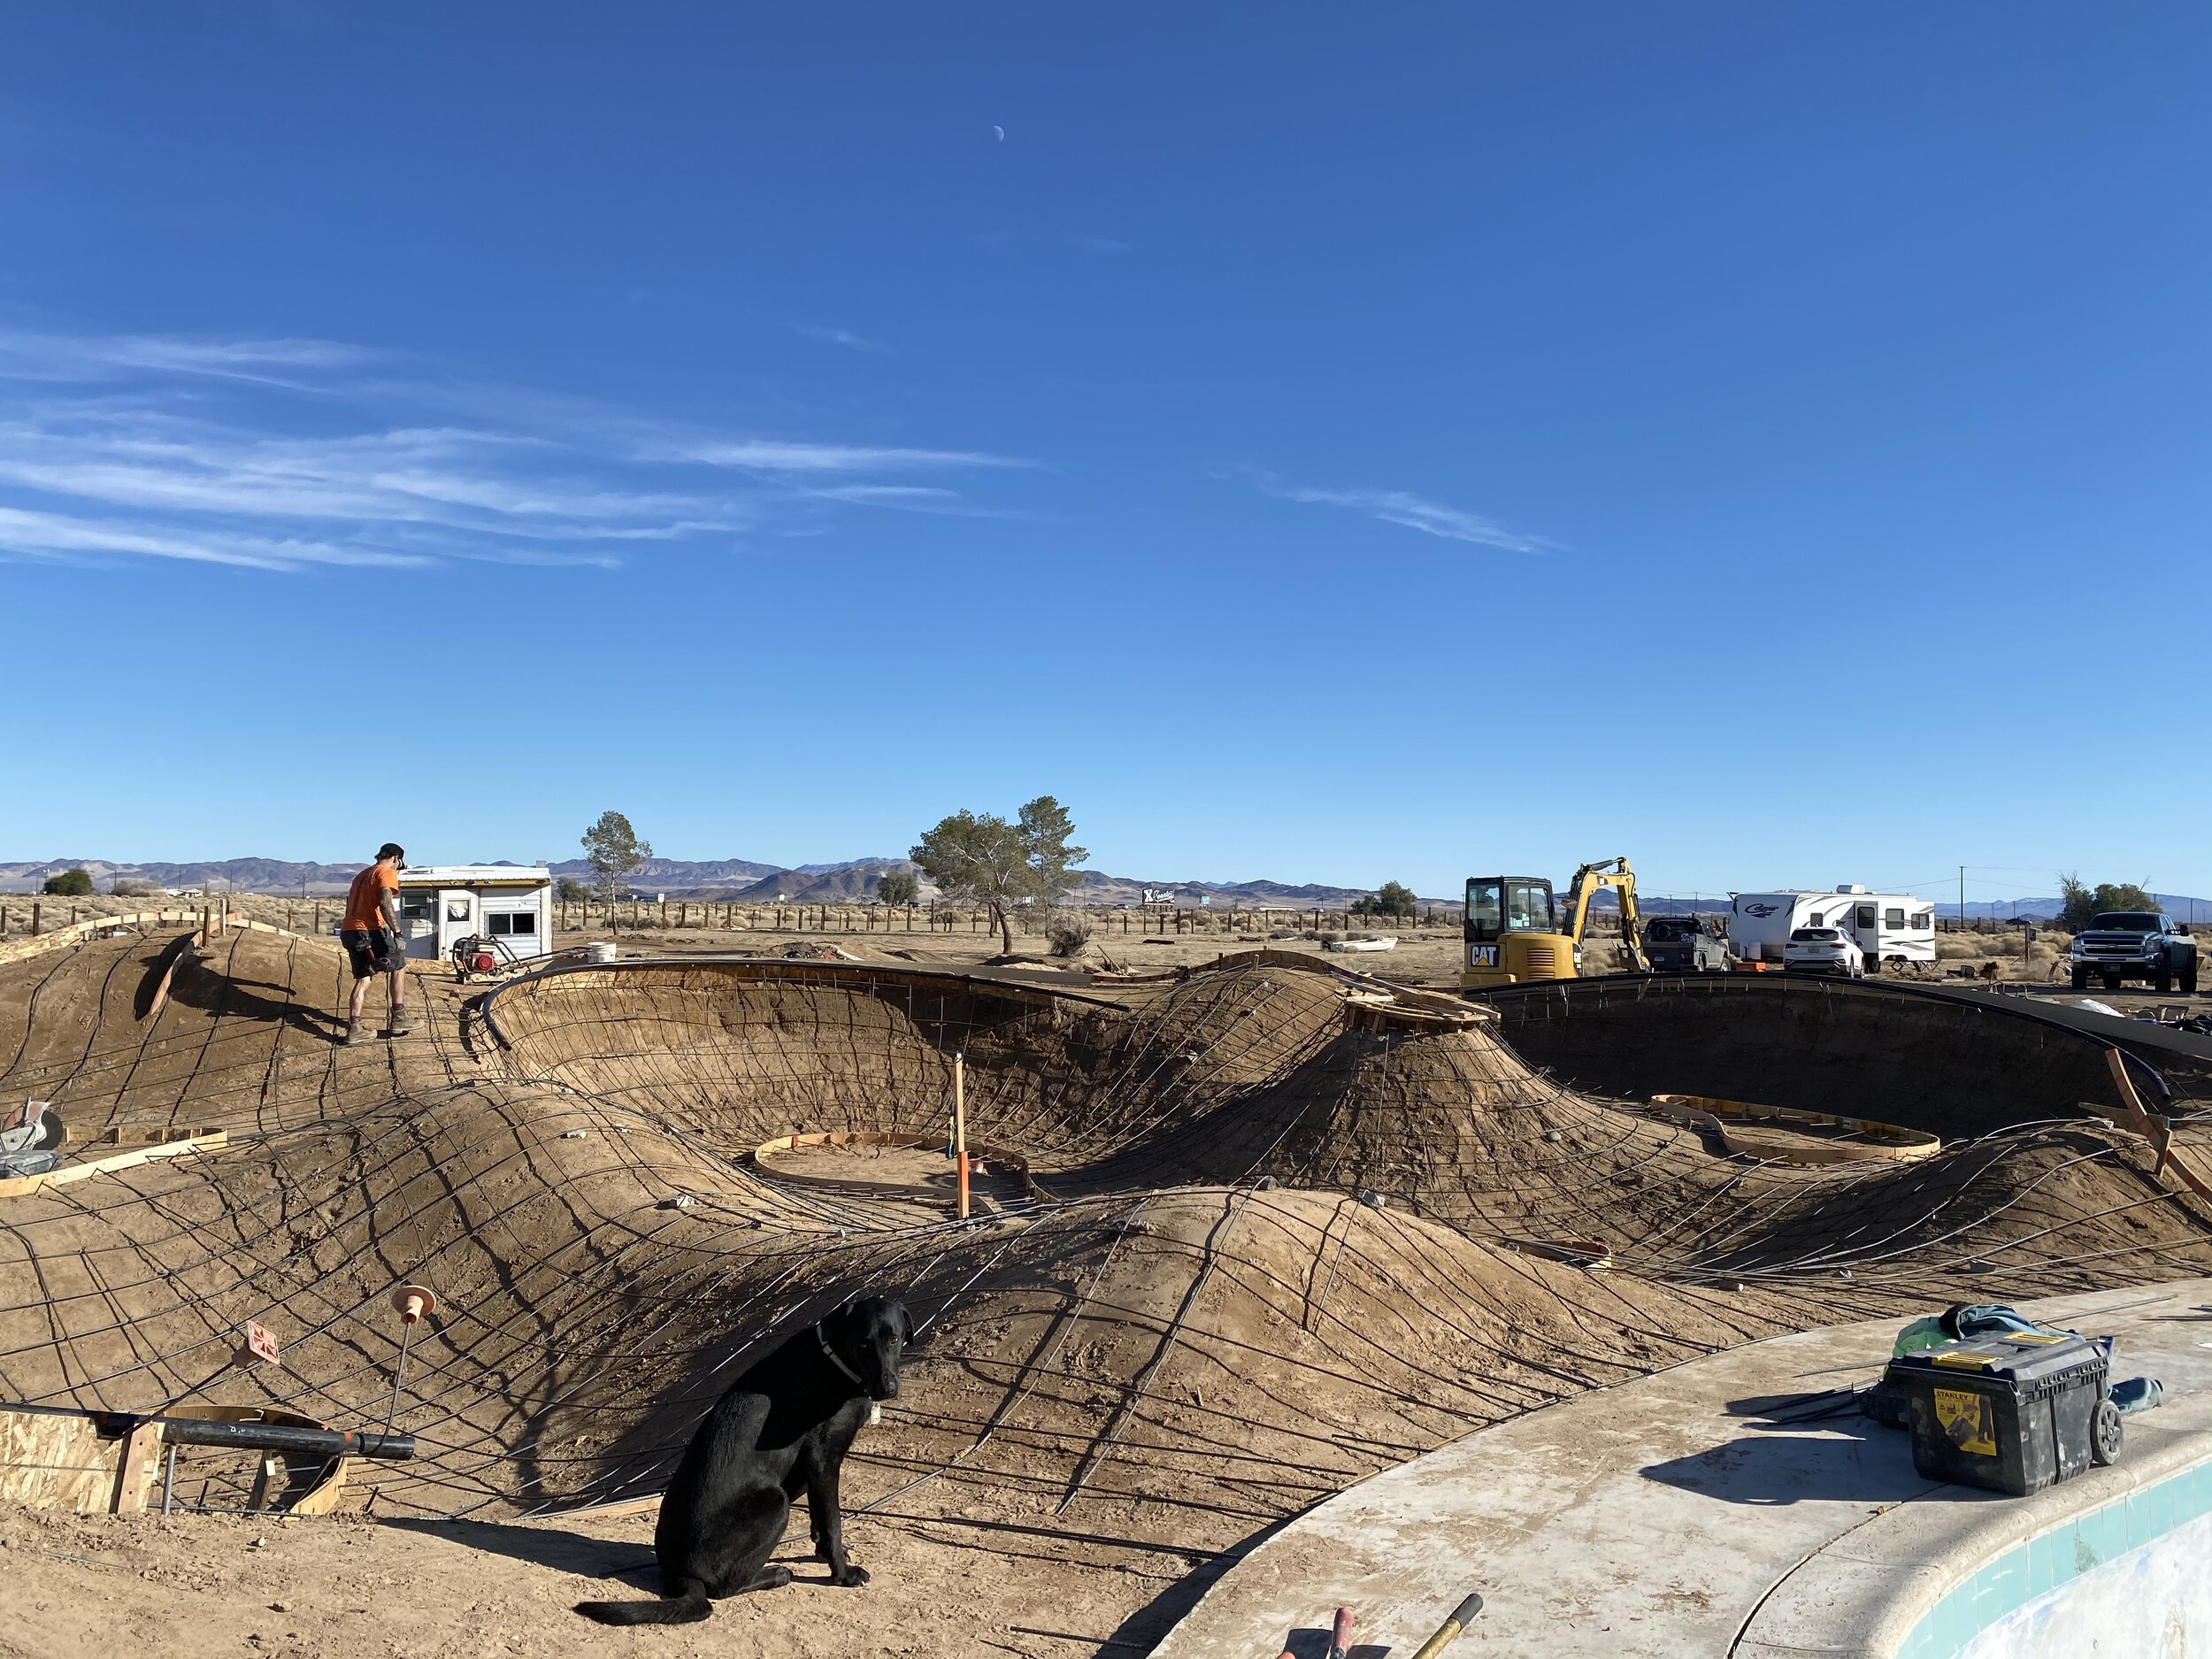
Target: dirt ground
[195, 1586]
[1209, 1329]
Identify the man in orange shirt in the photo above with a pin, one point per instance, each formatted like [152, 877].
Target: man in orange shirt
[374, 938]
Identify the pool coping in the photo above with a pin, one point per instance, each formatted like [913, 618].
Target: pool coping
[1913, 1582]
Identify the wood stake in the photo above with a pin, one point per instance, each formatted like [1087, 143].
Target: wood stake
[960, 1129]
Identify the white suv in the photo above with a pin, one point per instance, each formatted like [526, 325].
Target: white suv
[1823, 950]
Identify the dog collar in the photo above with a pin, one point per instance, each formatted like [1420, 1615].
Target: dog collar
[835, 1358]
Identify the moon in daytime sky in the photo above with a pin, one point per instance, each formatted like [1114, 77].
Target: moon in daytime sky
[1002, 133]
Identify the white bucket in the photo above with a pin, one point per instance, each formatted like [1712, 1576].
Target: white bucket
[599, 950]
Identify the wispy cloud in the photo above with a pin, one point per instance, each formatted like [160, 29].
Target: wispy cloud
[55, 535]
[767, 455]
[1414, 512]
[47, 357]
[287, 454]
[844, 337]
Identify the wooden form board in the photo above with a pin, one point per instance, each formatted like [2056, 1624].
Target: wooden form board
[55, 1460]
[1805, 1137]
[24, 1186]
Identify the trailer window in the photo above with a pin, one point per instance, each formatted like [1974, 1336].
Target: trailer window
[1866, 916]
[1893, 918]
[1926, 919]
[512, 922]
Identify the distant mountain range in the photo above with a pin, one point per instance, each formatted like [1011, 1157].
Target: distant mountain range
[746, 882]
[739, 879]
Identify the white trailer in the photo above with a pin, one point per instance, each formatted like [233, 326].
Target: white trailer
[441, 904]
[1891, 929]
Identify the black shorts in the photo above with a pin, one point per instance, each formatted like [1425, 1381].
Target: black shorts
[373, 950]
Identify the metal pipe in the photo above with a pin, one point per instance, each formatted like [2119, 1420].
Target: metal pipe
[406, 1340]
[264, 1436]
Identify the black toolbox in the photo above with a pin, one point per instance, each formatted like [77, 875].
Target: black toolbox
[2012, 1413]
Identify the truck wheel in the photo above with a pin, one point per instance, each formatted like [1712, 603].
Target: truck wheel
[2081, 979]
[2162, 981]
[2105, 1434]
[2111, 978]
[2189, 979]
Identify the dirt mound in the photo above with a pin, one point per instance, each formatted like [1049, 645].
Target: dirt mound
[1202, 1328]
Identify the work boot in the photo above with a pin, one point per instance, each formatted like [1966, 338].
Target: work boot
[353, 1033]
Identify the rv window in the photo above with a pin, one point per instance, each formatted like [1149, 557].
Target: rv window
[417, 907]
[1926, 919]
[1893, 919]
[512, 922]
[1866, 916]
[1817, 920]
[457, 909]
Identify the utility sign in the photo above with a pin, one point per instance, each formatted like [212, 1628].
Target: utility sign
[259, 1346]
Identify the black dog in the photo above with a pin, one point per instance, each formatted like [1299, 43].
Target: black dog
[783, 1428]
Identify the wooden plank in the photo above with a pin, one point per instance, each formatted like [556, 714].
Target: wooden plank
[135, 1468]
[155, 1134]
[56, 1461]
[24, 1186]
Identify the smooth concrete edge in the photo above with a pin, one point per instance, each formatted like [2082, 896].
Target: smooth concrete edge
[1865, 1594]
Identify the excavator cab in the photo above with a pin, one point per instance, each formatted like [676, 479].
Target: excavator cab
[1512, 930]
[1515, 933]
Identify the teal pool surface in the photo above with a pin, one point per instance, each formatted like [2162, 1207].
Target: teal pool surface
[2116, 1551]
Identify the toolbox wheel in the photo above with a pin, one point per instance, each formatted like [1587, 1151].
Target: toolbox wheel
[2104, 1434]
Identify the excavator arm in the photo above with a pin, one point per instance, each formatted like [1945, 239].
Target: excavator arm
[1589, 881]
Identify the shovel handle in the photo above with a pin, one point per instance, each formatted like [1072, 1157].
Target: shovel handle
[1462, 1615]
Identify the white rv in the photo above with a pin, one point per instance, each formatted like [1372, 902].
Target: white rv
[1891, 928]
[440, 904]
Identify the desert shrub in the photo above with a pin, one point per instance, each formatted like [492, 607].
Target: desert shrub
[1392, 898]
[1067, 932]
[70, 884]
[2083, 902]
[569, 890]
[897, 886]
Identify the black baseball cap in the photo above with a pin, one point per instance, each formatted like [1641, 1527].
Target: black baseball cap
[392, 850]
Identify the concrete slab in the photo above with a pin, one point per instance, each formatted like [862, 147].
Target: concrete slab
[1670, 1516]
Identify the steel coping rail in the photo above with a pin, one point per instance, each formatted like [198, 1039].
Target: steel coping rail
[1597, 986]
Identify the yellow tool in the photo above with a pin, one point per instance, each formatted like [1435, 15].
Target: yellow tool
[1462, 1615]
[1514, 932]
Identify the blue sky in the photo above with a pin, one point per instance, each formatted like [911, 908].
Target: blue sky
[1334, 444]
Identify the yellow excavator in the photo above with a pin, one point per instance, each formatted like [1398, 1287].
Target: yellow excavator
[1515, 933]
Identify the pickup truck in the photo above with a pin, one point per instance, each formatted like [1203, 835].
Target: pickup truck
[1684, 944]
[2134, 945]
